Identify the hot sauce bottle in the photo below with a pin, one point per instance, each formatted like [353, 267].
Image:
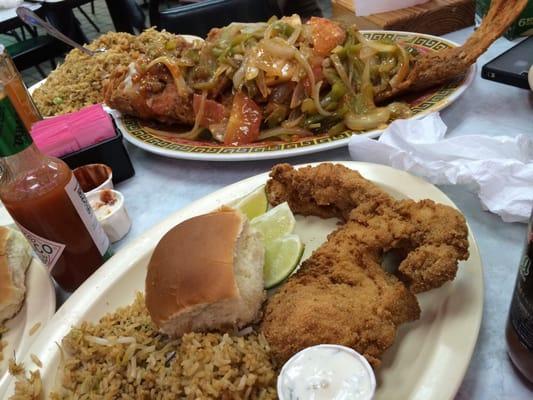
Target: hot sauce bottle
[15, 89]
[519, 331]
[48, 205]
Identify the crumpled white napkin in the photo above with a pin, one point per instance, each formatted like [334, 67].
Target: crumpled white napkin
[500, 168]
[10, 3]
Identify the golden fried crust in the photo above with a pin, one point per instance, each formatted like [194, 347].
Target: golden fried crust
[326, 191]
[341, 294]
[431, 237]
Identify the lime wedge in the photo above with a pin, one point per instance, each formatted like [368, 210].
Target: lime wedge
[275, 223]
[282, 256]
[254, 204]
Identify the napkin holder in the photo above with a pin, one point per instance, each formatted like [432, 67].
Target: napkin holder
[435, 17]
[111, 152]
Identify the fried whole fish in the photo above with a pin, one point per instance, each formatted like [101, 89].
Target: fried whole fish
[434, 69]
[341, 294]
[288, 79]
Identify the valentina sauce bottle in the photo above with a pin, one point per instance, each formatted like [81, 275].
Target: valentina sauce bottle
[46, 202]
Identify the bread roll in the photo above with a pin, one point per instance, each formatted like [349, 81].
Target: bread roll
[206, 274]
[15, 257]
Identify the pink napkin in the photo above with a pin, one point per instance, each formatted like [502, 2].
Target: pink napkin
[68, 133]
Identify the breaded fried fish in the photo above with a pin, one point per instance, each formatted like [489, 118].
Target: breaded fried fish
[341, 294]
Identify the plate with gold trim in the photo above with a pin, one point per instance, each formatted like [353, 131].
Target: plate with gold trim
[166, 144]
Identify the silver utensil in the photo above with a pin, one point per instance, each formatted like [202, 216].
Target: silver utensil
[30, 18]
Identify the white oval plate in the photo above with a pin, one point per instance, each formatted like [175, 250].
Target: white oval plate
[429, 357]
[38, 308]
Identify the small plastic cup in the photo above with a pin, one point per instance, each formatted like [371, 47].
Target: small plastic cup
[94, 177]
[115, 219]
[314, 360]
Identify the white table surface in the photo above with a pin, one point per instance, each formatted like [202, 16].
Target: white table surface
[9, 13]
[162, 186]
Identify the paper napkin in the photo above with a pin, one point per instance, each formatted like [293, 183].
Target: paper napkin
[68, 133]
[498, 168]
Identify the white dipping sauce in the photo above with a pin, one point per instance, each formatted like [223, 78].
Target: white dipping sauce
[105, 204]
[326, 372]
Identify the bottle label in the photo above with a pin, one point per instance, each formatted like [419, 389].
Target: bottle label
[86, 213]
[47, 250]
[13, 135]
[521, 314]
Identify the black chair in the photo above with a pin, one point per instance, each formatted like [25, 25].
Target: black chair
[33, 51]
[127, 15]
[78, 4]
[40, 48]
[199, 18]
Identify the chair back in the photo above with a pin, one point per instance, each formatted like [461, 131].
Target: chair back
[61, 17]
[127, 15]
[199, 18]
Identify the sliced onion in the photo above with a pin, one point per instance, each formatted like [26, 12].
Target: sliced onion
[251, 72]
[238, 77]
[195, 131]
[316, 99]
[269, 133]
[342, 73]
[296, 34]
[292, 123]
[370, 120]
[175, 71]
[250, 27]
[268, 31]
[261, 84]
[404, 68]
[367, 89]
[315, 88]
[277, 48]
[298, 95]
[367, 53]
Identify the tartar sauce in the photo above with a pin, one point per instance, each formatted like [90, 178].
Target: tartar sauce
[105, 204]
[326, 372]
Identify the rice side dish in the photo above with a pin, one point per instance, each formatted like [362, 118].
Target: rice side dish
[124, 356]
[79, 81]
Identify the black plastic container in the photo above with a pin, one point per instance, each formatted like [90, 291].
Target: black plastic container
[111, 152]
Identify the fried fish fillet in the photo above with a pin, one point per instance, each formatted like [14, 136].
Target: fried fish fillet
[341, 294]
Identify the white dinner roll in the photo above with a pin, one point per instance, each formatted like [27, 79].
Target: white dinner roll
[15, 257]
[206, 274]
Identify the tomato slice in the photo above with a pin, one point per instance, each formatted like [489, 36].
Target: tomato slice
[244, 121]
[214, 113]
[326, 35]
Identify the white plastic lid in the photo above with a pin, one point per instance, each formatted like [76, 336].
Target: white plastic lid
[330, 371]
